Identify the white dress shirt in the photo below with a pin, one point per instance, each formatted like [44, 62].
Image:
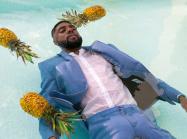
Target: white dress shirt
[105, 88]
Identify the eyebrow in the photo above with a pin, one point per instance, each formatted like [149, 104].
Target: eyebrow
[61, 28]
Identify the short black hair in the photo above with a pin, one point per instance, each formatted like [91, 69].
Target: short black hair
[62, 21]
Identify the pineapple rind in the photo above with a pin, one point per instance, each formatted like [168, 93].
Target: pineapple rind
[94, 12]
[6, 36]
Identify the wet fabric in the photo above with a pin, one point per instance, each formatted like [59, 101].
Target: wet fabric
[124, 122]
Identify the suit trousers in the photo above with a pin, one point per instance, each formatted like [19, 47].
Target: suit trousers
[124, 122]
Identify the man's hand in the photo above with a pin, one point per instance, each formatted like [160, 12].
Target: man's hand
[183, 102]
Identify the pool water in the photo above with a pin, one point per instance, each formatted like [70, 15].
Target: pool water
[152, 31]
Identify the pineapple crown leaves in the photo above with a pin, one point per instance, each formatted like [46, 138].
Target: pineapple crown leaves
[68, 15]
[92, 13]
[75, 18]
[22, 50]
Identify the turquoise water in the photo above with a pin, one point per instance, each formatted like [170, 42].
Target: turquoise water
[152, 31]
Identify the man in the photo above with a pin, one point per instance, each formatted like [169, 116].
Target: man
[98, 80]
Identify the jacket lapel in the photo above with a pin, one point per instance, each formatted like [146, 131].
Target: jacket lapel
[70, 76]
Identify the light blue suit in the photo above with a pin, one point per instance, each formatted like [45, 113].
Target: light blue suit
[64, 84]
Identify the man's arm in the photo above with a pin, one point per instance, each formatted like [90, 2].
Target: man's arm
[166, 92]
[170, 92]
[48, 86]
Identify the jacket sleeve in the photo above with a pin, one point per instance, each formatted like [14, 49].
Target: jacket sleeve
[169, 92]
[165, 91]
[48, 85]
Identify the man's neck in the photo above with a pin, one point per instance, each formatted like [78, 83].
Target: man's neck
[74, 50]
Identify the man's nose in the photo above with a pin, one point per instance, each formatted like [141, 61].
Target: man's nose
[70, 30]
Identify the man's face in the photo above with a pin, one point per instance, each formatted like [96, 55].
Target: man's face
[67, 36]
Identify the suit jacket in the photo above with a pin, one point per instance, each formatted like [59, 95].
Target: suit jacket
[64, 84]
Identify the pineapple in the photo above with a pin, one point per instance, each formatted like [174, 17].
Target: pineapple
[9, 40]
[37, 106]
[89, 14]
[94, 13]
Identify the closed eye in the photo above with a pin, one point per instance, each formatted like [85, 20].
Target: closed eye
[62, 30]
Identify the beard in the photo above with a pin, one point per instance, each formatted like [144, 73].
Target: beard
[71, 44]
